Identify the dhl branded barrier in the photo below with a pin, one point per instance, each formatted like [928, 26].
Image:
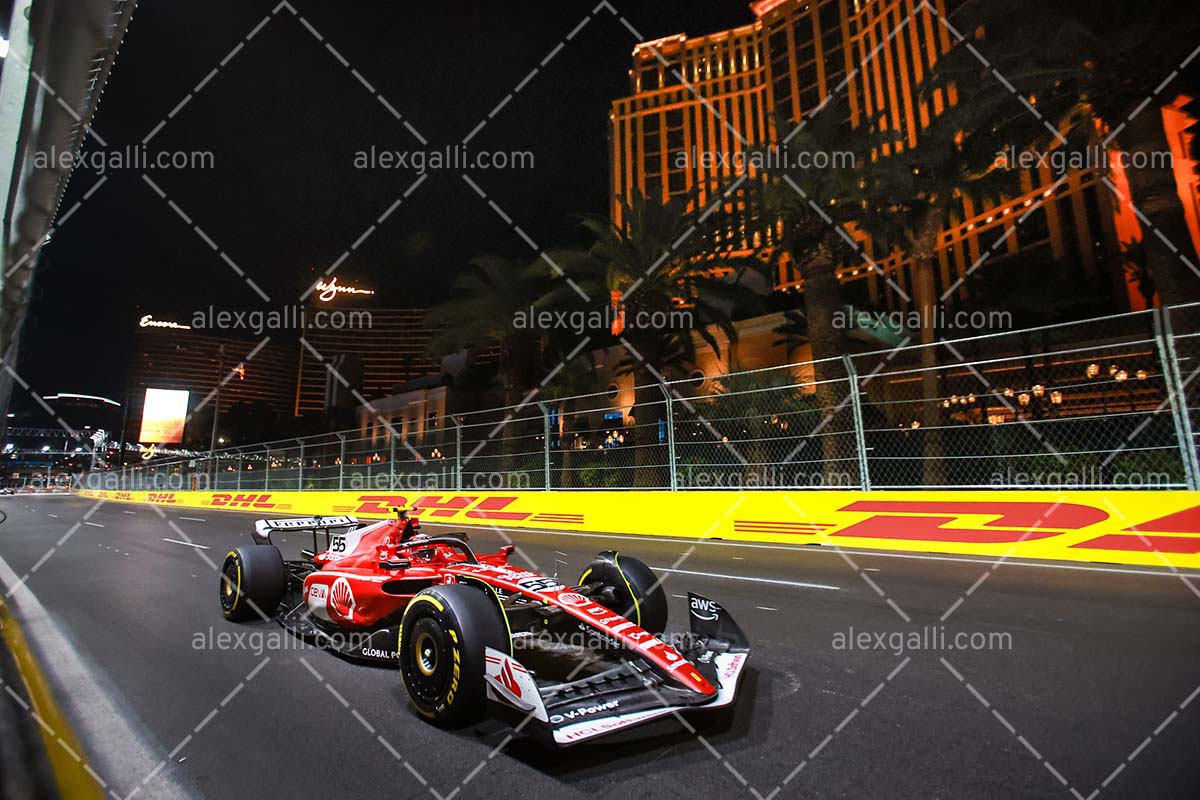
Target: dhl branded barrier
[1147, 528]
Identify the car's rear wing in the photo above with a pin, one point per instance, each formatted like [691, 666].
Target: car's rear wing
[263, 527]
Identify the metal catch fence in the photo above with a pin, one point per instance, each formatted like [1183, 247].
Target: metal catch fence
[1112, 402]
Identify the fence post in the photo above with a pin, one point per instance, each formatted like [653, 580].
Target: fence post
[391, 457]
[341, 459]
[458, 475]
[300, 476]
[545, 409]
[860, 438]
[267, 469]
[673, 477]
[1176, 396]
[240, 467]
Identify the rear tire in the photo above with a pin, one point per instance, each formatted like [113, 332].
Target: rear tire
[253, 580]
[442, 639]
[639, 594]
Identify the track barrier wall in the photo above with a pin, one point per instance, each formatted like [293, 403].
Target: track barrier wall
[1148, 528]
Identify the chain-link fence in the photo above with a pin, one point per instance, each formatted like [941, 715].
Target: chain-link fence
[1112, 402]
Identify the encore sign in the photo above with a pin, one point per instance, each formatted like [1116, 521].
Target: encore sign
[148, 321]
[327, 290]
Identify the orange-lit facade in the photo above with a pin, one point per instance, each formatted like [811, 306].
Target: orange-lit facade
[721, 93]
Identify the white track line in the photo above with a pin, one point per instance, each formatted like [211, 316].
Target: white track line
[94, 524]
[797, 584]
[104, 717]
[194, 519]
[830, 550]
[128, 512]
[187, 544]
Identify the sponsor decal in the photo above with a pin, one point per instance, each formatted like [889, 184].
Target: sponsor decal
[733, 667]
[252, 500]
[573, 599]
[508, 679]
[444, 506]
[341, 599]
[371, 652]
[924, 520]
[540, 584]
[318, 600]
[123, 496]
[584, 711]
[1153, 528]
[704, 609]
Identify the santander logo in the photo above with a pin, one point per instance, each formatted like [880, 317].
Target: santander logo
[341, 599]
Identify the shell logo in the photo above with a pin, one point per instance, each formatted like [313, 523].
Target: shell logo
[573, 599]
[341, 599]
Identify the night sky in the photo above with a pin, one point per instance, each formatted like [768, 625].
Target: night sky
[284, 119]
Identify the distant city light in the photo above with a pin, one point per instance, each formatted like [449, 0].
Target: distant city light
[74, 396]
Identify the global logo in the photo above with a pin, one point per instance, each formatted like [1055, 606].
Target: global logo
[341, 599]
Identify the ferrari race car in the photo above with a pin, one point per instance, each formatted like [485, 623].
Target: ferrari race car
[571, 662]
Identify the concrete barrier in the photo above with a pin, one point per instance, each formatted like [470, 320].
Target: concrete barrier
[1151, 528]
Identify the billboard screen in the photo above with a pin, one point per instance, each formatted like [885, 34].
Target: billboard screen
[163, 415]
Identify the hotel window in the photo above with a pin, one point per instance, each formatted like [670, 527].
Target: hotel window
[1034, 229]
[649, 75]
[802, 29]
[675, 129]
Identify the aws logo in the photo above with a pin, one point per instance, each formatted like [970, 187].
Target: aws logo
[704, 609]
[436, 506]
[251, 500]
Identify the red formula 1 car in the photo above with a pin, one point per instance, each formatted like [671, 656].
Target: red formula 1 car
[465, 628]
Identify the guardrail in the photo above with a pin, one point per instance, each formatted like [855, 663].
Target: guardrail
[1110, 402]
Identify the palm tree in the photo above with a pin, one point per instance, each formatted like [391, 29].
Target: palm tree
[565, 393]
[810, 214]
[493, 298]
[1092, 70]
[485, 315]
[655, 262]
[928, 184]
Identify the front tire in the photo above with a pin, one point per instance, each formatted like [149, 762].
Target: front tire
[442, 642]
[638, 594]
[253, 580]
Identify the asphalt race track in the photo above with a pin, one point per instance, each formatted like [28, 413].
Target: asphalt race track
[1098, 688]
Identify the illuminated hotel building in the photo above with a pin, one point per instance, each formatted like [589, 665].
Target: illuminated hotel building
[783, 65]
[374, 359]
[171, 358]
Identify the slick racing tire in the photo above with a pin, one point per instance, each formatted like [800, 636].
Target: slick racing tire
[639, 595]
[253, 580]
[442, 639]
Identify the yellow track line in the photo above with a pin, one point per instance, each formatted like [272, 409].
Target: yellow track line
[63, 750]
